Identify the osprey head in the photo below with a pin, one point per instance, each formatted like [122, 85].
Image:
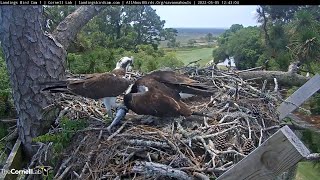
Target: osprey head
[125, 63]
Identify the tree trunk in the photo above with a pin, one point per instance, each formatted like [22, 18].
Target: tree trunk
[31, 57]
[264, 27]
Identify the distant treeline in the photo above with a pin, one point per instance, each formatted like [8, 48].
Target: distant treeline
[201, 30]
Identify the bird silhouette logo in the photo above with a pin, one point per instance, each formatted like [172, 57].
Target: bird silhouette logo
[45, 169]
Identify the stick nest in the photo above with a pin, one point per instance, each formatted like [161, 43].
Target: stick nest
[243, 115]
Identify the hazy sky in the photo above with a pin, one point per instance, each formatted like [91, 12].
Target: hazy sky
[207, 16]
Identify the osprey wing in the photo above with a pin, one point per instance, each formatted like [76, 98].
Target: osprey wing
[172, 77]
[156, 103]
[181, 83]
[99, 86]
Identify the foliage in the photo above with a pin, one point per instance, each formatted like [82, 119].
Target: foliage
[95, 61]
[315, 104]
[116, 27]
[209, 37]
[170, 35]
[294, 35]
[63, 138]
[305, 38]
[53, 15]
[191, 42]
[291, 30]
[307, 171]
[173, 43]
[5, 90]
[286, 34]
[243, 44]
[3, 132]
[280, 14]
[169, 60]
[312, 139]
[146, 59]
[118, 31]
[291, 91]
[222, 51]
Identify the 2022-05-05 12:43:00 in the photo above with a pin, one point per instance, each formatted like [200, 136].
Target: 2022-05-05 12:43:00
[217, 2]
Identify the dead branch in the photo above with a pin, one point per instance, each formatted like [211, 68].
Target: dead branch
[139, 142]
[314, 157]
[156, 169]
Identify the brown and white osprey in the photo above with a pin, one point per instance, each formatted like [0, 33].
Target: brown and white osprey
[105, 86]
[158, 94]
[156, 100]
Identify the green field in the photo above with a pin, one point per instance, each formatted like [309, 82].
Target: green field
[187, 56]
[307, 171]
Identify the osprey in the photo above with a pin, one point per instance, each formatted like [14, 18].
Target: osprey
[156, 100]
[105, 86]
[159, 94]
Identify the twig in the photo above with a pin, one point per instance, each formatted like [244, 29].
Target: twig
[92, 129]
[248, 124]
[261, 136]
[215, 134]
[64, 164]
[64, 173]
[46, 151]
[117, 132]
[275, 85]
[226, 106]
[9, 120]
[271, 128]
[86, 165]
[36, 156]
[200, 176]
[13, 135]
[61, 114]
[264, 86]
[175, 148]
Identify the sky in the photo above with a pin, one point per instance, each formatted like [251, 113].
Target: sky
[206, 16]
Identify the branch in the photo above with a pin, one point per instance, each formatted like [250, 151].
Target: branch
[313, 157]
[138, 142]
[284, 78]
[67, 30]
[152, 169]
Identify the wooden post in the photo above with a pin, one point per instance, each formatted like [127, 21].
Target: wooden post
[13, 162]
[277, 154]
[299, 96]
[293, 102]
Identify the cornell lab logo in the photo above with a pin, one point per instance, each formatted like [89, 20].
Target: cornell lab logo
[44, 169]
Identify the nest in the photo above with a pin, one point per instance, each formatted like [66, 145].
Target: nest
[242, 116]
